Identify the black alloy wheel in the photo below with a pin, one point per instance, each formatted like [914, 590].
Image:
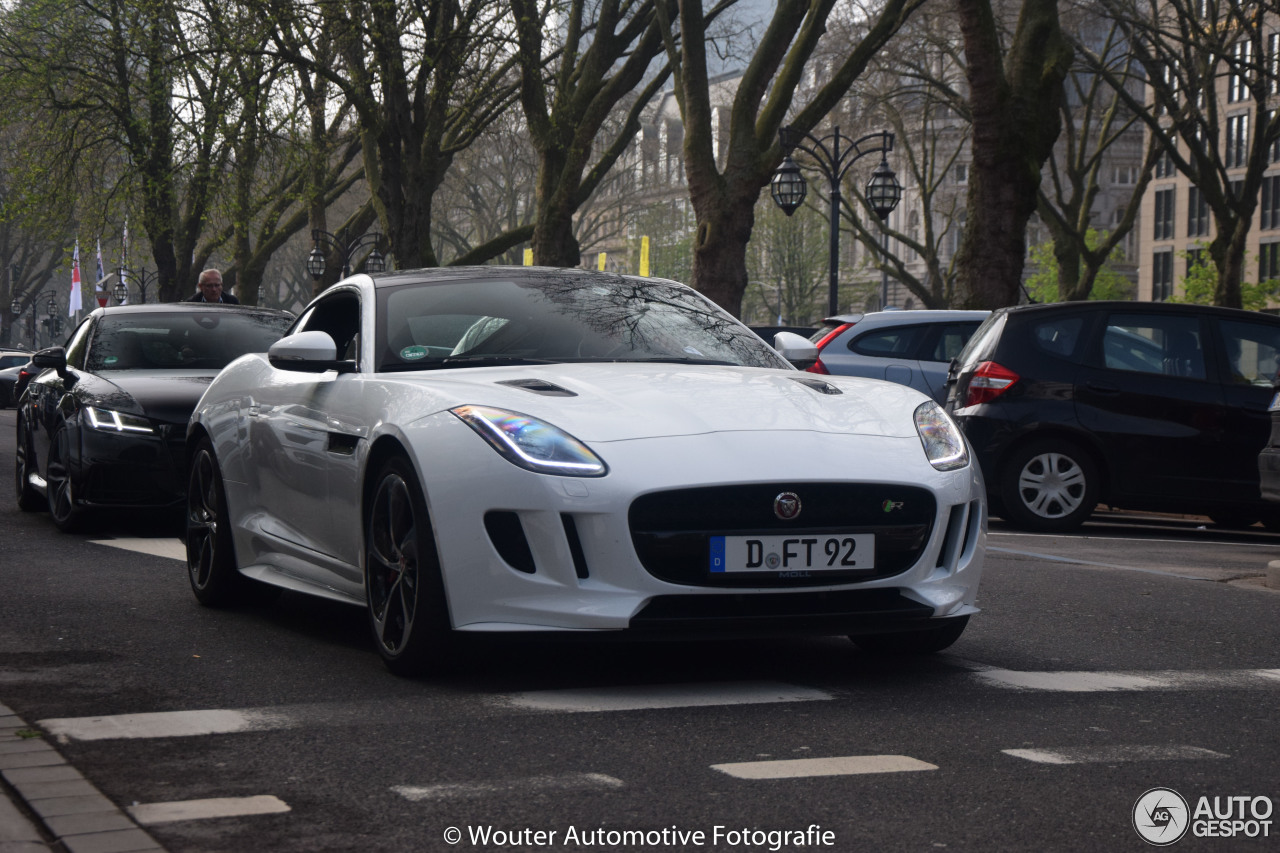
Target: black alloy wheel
[924, 642]
[62, 505]
[24, 465]
[405, 592]
[1049, 486]
[211, 560]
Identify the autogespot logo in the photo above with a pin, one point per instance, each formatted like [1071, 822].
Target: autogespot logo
[1161, 817]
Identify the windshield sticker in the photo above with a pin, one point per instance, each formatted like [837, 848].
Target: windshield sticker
[413, 353]
[111, 359]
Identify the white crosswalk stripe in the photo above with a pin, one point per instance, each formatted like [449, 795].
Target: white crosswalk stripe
[164, 724]
[1093, 682]
[846, 765]
[148, 814]
[470, 790]
[1113, 754]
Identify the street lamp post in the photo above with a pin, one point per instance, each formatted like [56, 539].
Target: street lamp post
[318, 262]
[144, 278]
[832, 156]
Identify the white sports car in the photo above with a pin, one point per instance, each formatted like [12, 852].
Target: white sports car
[525, 449]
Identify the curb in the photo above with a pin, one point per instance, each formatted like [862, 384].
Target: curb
[68, 808]
[1273, 574]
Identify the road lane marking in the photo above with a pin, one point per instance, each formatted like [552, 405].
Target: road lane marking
[164, 724]
[468, 790]
[650, 696]
[153, 813]
[801, 768]
[174, 549]
[1112, 754]
[1099, 682]
[1053, 558]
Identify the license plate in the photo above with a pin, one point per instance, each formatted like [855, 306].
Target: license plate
[805, 552]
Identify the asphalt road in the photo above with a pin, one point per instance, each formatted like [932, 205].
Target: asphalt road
[1141, 653]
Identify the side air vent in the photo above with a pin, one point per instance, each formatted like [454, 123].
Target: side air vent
[539, 386]
[819, 385]
[575, 546]
[507, 535]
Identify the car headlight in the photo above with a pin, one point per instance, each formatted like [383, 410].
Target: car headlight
[942, 440]
[111, 421]
[531, 443]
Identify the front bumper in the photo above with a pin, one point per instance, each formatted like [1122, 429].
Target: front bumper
[131, 471]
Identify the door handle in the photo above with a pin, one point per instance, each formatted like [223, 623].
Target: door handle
[1102, 387]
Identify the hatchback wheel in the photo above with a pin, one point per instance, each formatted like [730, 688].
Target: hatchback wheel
[29, 500]
[1049, 486]
[211, 560]
[407, 609]
[923, 642]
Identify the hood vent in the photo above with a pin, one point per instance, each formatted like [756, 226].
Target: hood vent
[539, 386]
[820, 385]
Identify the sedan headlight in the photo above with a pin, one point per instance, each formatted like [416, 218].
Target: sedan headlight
[943, 443]
[111, 421]
[531, 443]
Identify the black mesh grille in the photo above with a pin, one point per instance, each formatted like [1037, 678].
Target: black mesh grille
[672, 530]
[842, 611]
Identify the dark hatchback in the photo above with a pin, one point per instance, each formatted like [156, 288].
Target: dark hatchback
[104, 424]
[1144, 406]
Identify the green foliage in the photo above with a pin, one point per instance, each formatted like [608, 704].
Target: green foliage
[1200, 285]
[1042, 285]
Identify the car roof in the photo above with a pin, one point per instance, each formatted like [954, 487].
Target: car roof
[911, 315]
[446, 274]
[1148, 307]
[187, 308]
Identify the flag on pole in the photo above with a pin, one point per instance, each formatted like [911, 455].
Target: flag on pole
[124, 261]
[73, 303]
[98, 290]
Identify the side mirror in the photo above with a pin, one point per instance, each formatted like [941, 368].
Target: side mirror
[53, 358]
[308, 352]
[799, 351]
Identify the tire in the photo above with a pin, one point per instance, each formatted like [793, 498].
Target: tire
[211, 559]
[59, 492]
[24, 464]
[408, 613]
[925, 642]
[1049, 486]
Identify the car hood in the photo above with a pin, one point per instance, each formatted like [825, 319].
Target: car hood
[618, 401]
[167, 396]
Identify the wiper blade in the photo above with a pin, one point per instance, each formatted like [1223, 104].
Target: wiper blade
[490, 360]
[679, 359]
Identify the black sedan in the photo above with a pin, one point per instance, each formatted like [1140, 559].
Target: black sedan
[103, 425]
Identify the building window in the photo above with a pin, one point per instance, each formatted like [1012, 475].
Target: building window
[1238, 83]
[1162, 276]
[1197, 213]
[1273, 63]
[1164, 214]
[1124, 175]
[1274, 153]
[1168, 77]
[1237, 140]
[1269, 210]
[1195, 258]
[961, 172]
[1268, 261]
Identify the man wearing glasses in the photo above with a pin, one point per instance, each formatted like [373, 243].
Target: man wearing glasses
[210, 285]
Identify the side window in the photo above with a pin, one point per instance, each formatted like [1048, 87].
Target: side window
[338, 316]
[78, 346]
[951, 339]
[1058, 336]
[1166, 345]
[1252, 350]
[887, 343]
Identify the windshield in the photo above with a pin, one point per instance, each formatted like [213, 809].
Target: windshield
[548, 318]
[204, 340]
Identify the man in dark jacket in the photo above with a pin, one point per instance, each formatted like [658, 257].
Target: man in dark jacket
[210, 284]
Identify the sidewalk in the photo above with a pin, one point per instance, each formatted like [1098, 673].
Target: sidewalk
[67, 808]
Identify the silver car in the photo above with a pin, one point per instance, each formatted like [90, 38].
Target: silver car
[911, 348]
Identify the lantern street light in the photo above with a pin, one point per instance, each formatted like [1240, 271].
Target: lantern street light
[318, 262]
[832, 156]
[144, 278]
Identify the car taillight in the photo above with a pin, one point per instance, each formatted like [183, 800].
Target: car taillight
[827, 338]
[818, 367]
[989, 381]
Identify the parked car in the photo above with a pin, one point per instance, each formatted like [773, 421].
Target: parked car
[1143, 406]
[497, 449]
[912, 347]
[1269, 458]
[11, 364]
[104, 423]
